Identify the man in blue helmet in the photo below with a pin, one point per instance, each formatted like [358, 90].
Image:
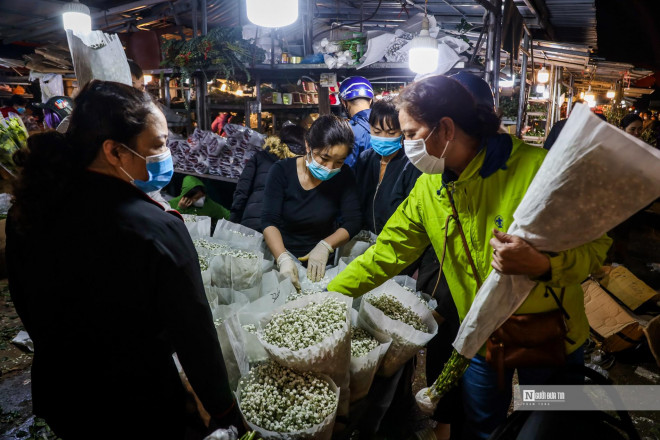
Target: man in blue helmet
[356, 95]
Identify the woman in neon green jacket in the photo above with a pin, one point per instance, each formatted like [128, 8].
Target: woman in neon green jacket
[482, 176]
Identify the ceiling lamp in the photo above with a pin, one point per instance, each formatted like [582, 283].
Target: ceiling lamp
[423, 55]
[543, 76]
[540, 88]
[76, 18]
[589, 96]
[610, 94]
[272, 13]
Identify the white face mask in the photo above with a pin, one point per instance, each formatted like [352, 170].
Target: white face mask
[200, 202]
[426, 163]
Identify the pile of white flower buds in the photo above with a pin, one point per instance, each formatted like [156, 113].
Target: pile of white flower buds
[280, 399]
[393, 309]
[361, 342]
[300, 328]
[250, 328]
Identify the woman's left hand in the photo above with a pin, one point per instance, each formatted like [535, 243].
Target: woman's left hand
[514, 256]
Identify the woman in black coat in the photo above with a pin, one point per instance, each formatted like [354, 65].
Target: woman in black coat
[107, 283]
[248, 197]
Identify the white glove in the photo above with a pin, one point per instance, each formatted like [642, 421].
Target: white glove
[317, 259]
[287, 266]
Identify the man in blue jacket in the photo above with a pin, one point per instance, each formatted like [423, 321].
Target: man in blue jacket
[356, 94]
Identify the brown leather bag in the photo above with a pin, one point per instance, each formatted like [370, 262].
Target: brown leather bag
[529, 340]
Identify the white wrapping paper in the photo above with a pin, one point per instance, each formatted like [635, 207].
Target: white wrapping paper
[595, 177]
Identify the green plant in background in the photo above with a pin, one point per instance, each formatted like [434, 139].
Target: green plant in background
[222, 49]
[509, 107]
[463, 28]
[614, 114]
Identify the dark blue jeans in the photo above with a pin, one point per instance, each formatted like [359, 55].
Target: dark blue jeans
[485, 405]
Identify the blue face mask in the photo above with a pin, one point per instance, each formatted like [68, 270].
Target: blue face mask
[386, 145]
[319, 171]
[160, 169]
[20, 110]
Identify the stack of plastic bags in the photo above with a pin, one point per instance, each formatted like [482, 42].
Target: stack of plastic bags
[205, 152]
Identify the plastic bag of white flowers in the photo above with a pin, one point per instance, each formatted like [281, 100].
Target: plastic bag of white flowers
[367, 353]
[238, 269]
[358, 245]
[231, 232]
[307, 286]
[312, 333]
[198, 225]
[236, 361]
[410, 284]
[281, 403]
[410, 323]
[207, 248]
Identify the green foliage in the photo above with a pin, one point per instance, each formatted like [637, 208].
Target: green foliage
[509, 107]
[222, 49]
[614, 114]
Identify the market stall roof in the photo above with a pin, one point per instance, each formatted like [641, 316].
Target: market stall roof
[40, 20]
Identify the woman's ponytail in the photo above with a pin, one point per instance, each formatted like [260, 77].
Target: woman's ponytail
[488, 123]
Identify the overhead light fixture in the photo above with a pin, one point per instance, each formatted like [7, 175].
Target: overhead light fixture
[610, 94]
[76, 18]
[543, 76]
[507, 83]
[540, 88]
[589, 96]
[582, 95]
[272, 13]
[148, 78]
[546, 94]
[423, 55]
[239, 92]
[223, 87]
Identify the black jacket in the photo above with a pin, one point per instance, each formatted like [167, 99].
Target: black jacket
[378, 202]
[249, 194]
[108, 291]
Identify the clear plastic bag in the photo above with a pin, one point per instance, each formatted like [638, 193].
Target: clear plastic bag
[406, 341]
[231, 232]
[322, 431]
[363, 369]
[332, 356]
[357, 246]
[198, 225]
[239, 270]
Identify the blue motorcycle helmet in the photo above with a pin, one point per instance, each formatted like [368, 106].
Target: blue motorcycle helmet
[356, 87]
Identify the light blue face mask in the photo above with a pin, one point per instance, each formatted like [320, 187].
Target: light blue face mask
[386, 145]
[319, 171]
[160, 169]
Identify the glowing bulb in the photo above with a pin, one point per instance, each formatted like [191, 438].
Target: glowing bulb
[76, 18]
[239, 92]
[272, 13]
[543, 76]
[546, 94]
[589, 96]
[148, 79]
[610, 94]
[540, 88]
[223, 87]
[423, 55]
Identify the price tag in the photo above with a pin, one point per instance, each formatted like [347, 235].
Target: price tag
[328, 80]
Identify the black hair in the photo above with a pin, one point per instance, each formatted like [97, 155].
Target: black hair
[294, 137]
[384, 111]
[194, 191]
[17, 100]
[328, 131]
[51, 164]
[436, 97]
[629, 119]
[136, 70]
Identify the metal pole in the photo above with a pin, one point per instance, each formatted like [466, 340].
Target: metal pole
[205, 19]
[168, 97]
[490, 44]
[558, 82]
[199, 107]
[307, 26]
[569, 104]
[550, 106]
[257, 81]
[194, 17]
[523, 87]
[497, 53]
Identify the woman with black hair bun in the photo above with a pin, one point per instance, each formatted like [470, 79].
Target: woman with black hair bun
[463, 205]
[311, 205]
[102, 276]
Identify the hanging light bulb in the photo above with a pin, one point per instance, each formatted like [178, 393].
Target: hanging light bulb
[148, 78]
[272, 13]
[76, 18]
[223, 87]
[423, 55]
[543, 76]
[610, 94]
[540, 88]
[589, 96]
[582, 95]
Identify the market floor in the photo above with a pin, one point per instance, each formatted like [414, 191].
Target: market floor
[18, 423]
